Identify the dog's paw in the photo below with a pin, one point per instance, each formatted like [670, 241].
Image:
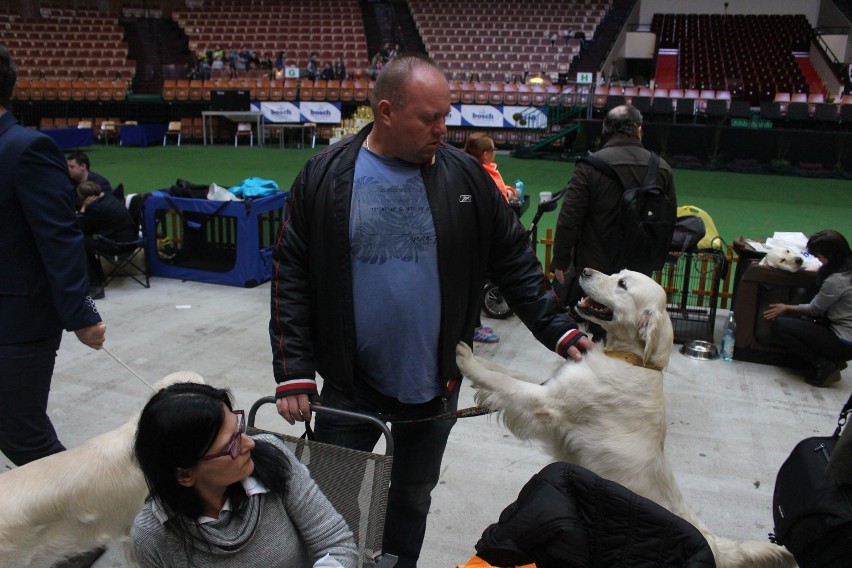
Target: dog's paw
[464, 355]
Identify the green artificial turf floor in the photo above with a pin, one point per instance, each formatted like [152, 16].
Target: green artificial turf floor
[751, 205]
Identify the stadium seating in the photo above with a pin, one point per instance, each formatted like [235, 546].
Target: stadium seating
[68, 44]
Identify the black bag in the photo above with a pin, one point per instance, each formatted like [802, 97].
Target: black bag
[688, 231]
[184, 188]
[813, 511]
[647, 219]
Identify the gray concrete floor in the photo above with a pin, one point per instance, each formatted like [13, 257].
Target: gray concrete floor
[731, 425]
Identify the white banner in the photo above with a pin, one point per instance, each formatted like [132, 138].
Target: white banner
[454, 118]
[320, 112]
[534, 116]
[485, 116]
[280, 111]
[291, 72]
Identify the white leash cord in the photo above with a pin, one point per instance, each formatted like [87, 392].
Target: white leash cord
[123, 364]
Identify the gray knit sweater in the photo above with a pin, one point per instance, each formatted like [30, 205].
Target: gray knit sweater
[833, 301]
[269, 532]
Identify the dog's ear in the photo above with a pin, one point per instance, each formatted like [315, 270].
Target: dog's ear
[646, 325]
[655, 330]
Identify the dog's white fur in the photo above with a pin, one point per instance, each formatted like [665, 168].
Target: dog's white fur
[783, 259]
[71, 502]
[606, 414]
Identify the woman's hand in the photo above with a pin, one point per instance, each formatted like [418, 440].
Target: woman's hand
[776, 310]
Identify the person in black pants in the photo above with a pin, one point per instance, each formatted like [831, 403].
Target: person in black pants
[42, 280]
[821, 332]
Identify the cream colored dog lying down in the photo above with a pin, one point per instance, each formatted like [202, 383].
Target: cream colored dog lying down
[76, 500]
[783, 259]
[607, 413]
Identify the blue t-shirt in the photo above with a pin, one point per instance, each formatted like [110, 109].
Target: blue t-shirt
[395, 281]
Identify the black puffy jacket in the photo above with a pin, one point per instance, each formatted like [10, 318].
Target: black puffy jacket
[566, 516]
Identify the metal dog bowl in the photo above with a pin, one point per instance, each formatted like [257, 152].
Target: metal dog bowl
[701, 350]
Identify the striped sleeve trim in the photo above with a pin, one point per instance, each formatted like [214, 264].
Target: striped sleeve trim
[567, 341]
[296, 386]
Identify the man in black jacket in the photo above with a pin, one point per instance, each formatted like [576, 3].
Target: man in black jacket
[386, 241]
[589, 224]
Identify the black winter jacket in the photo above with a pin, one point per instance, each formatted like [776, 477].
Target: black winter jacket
[589, 224]
[566, 516]
[312, 328]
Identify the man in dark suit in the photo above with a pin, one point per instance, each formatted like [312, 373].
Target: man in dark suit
[43, 282]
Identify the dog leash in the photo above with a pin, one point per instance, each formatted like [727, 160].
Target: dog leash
[123, 364]
[463, 413]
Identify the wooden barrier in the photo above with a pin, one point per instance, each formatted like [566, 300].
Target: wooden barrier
[725, 293]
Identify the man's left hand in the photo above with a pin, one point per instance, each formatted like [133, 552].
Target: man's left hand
[576, 351]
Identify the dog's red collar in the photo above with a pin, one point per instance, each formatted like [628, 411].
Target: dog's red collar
[633, 359]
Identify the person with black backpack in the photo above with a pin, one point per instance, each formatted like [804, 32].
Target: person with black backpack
[618, 211]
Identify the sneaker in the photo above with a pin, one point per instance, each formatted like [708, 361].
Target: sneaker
[826, 372]
[485, 329]
[97, 292]
[484, 337]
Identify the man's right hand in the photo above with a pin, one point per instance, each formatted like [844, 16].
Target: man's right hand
[92, 336]
[294, 408]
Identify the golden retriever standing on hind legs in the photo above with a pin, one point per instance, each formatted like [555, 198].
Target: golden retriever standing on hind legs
[607, 413]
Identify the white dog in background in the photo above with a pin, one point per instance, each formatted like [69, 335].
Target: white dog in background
[783, 259]
[71, 502]
[607, 413]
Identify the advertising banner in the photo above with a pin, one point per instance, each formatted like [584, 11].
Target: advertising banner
[536, 117]
[279, 111]
[299, 111]
[485, 116]
[320, 112]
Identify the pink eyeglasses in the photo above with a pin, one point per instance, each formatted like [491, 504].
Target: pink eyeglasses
[235, 444]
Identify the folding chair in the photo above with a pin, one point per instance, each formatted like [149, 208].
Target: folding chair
[127, 258]
[243, 130]
[174, 129]
[355, 482]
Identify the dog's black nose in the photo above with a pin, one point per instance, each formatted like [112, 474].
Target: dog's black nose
[799, 260]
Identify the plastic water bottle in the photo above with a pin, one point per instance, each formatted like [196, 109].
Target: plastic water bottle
[727, 353]
[519, 190]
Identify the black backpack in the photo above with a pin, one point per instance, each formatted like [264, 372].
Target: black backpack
[647, 219]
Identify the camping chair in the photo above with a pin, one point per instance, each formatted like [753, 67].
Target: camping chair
[355, 482]
[127, 258]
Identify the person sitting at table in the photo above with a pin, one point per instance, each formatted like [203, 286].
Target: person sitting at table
[222, 498]
[79, 168]
[101, 214]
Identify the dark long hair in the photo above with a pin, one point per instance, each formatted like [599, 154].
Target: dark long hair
[835, 248]
[176, 428]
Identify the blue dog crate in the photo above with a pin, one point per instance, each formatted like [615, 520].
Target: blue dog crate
[219, 242]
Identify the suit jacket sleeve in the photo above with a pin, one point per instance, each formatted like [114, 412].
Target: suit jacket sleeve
[43, 189]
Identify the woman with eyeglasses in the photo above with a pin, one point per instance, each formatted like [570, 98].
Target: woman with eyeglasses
[221, 498]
